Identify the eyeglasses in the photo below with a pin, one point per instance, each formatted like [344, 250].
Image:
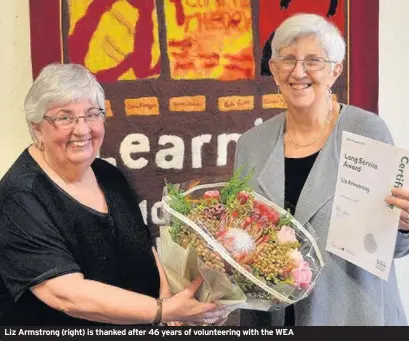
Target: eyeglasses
[92, 117]
[309, 63]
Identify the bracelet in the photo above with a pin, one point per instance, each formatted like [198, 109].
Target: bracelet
[403, 231]
[158, 317]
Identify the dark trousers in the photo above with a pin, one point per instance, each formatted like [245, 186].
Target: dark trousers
[253, 318]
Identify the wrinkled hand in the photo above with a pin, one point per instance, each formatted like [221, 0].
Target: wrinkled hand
[400, 199]
[184, 307]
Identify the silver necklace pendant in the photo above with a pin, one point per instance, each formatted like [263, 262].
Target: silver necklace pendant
[313, 142]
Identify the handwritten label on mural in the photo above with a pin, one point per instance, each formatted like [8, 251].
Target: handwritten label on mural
[187, 103]
[210, 39]
[272, 101]
[231, 103]
[142, 106]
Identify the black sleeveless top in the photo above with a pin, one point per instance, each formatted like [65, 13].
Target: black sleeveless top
[296, 172]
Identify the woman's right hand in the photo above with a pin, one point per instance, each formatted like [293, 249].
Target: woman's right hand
[184, 307]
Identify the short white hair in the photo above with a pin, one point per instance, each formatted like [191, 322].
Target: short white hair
[310, 24]
[60, 84]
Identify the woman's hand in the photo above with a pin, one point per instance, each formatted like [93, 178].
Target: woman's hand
[184, 307]
[400, 199]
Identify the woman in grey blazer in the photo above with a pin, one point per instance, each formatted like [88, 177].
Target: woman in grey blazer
[295, 156]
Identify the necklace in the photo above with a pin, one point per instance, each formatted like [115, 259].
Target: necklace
[56, 176]
[313, 142]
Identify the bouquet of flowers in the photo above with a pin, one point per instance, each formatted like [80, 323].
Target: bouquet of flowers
[265, 255]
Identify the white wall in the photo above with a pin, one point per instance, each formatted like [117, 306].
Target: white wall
[15, 75]
[15, 79]
[394, 92]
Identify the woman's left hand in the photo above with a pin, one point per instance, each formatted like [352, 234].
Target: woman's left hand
[401, 200]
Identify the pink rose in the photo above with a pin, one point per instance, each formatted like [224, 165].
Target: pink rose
[212, 195]
[302, 275]
[295, 256]
[286, 235]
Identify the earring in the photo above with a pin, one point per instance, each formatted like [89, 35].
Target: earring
[329, 99]
[278, 90]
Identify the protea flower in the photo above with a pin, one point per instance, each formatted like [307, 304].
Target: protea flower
[238, 242]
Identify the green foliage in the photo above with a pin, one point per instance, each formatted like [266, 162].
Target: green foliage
[202, 204]
[177, 200]
[176, 230]
[285, 220]
[236, 184]
[180, 204]
[243, 282]
[233, 205]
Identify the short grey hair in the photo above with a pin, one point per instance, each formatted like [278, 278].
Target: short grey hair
[60, 84]
[310, 24]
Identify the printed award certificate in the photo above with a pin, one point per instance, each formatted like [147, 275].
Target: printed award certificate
[363, 227]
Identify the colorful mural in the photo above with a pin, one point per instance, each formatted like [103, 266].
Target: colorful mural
[185, 78]
[210, 39]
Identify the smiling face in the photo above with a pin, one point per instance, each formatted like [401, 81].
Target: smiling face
[73, 146]
[302, 88]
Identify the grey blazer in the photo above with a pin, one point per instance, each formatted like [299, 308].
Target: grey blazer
[345, 295]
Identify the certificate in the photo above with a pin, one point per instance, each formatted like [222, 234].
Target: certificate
[363, 227]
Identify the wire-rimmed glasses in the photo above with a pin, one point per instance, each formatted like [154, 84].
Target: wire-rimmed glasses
[68, 120]
[309, 63]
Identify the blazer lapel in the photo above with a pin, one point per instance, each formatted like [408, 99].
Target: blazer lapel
[320, 184]
[271, 178]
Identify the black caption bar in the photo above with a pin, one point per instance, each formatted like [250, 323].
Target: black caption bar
[129, 333]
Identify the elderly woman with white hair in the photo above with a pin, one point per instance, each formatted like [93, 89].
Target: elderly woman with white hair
[74, 249]
[295, 156]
